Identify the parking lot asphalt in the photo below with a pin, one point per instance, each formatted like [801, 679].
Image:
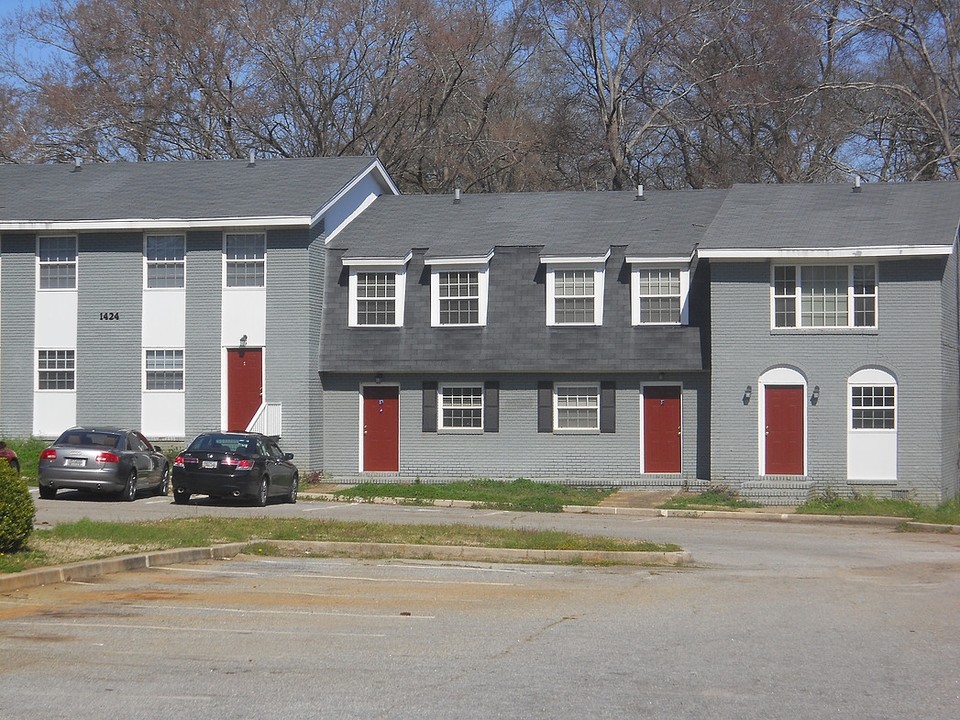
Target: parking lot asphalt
[777, 620]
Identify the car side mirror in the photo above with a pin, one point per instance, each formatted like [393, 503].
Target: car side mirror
[158, 449]
[288, 456]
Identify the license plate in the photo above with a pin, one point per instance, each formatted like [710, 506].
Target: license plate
[74, 462]
[209, 464]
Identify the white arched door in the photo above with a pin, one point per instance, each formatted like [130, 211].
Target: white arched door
[872, 425]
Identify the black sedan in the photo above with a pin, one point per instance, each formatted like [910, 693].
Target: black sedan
[103, 460]
[235, 465]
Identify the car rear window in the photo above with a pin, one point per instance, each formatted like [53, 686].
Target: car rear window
[82, 437]
[233, 444]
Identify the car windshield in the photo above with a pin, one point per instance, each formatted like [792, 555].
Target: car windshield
[229, 444]
[86, 437]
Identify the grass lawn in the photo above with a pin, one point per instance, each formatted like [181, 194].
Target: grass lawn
[519, 494]
[86, 539]
[828, 504]
[716, 499]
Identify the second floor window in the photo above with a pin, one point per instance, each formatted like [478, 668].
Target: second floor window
[824, 296]
[58, 262]
[574, 295]
[376, 298]
[659, 291]
[245, 259]
[165, 261]
[56, 369]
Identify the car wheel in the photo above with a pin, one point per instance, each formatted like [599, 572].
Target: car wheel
[130, 489]
[164, 487]
[47, 492]
[262, 493]
[292, 497]
[181, 498]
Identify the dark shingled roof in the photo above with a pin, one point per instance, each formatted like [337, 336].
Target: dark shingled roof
[184, 190]
[665, 224]
[831, 216]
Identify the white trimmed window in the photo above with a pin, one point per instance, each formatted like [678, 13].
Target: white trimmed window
[460, 407]
[458, 292]
[244, 254]
[575, 291]
[163, 370]
[576, 406]
[376, 295]
[165, 260]
[56, 369]
[873, 407]
[824, 296]
[58, 262]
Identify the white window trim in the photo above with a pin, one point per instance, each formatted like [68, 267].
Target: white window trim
[182, 371]
[226, 261]
[440, 408]
[556, 409]
[798, 294]
[598, 265]
[399, 272]
[636, 268]
[36, 370]
[483, 288]
[147, 261]
[75, 262]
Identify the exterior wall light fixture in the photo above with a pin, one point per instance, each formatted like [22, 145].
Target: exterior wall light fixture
[746, 394]
[815, 397]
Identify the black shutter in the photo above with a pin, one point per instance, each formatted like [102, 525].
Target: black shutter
[545, 406]
[429, 406]
[491, 407]
[608, 407]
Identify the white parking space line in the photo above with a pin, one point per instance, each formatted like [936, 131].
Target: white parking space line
[189, 629]
[331, 506]
[157, 500]
[207, 571]
[357, 578]
[467, 568]
[297, 613]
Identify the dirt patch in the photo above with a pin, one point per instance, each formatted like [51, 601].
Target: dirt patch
[641, 498]
[67, 551]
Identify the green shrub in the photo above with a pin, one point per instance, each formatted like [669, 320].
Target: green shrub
[16, 510]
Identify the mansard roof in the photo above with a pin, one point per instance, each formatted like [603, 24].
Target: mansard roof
[562, 224]
[141, 193]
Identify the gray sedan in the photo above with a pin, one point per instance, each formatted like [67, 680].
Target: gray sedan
[103, 460]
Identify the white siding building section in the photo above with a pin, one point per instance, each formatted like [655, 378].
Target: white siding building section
[55, 323]
[164, 327]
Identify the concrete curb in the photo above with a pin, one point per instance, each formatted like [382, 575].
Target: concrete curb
[756, 515]
[90, 569]
[480, 554]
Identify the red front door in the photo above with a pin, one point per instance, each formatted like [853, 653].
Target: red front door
[784, 429]
[381, 428]
[661, 429]
[244, 386]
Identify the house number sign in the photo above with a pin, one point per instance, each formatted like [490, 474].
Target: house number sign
[109, 316]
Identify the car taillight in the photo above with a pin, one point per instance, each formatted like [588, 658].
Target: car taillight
[178, 462]
[48, 454]
[229, 461]
[245, 465]
[106, 457]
